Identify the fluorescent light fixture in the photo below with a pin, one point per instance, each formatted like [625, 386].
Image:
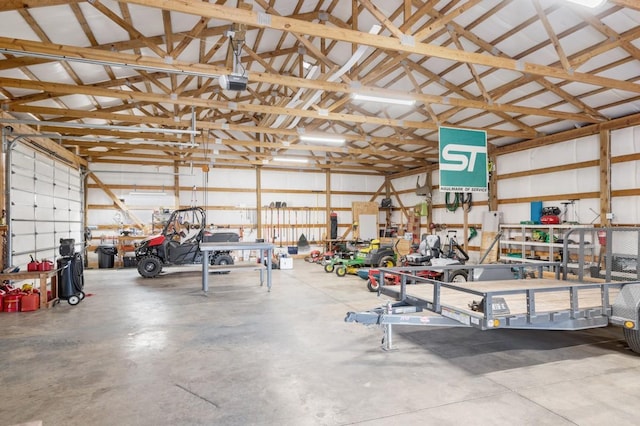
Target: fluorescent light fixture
[371, 98]
[290, 159]
[324, 139]
[588, 3]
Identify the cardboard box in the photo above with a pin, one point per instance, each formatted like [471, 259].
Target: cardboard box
[286, 263]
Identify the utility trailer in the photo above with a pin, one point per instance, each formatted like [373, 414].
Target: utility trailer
[530, 300]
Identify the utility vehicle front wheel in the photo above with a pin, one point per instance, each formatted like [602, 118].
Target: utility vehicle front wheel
[149, 266]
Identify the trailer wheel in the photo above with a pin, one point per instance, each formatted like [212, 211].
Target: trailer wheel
[633, 339]
[341, 271]
[372, 285]
[458, 277]
[328, 268]
[387, 262]
[149, 266]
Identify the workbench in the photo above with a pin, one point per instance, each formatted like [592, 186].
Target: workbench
[125, 244]
[266, 252]
[38, 276]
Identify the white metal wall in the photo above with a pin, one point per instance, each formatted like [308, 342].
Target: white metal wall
[46, 205]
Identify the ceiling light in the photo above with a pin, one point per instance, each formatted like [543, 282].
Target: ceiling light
[371, 98]
[324, 139]
[290, 159]
[588, 3]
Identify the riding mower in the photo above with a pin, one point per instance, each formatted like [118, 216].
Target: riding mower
[315, 256]
[429, 253]
[339, 257]
[374, 255]
[338, 250]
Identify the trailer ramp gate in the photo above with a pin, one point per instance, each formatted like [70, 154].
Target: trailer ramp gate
[538, 304]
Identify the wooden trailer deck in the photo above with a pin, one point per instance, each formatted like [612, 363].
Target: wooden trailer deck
[549, 295]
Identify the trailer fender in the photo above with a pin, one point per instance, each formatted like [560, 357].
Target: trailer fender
[627, 306]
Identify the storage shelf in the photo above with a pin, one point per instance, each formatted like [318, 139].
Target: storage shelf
[519, 238]
[536, 243]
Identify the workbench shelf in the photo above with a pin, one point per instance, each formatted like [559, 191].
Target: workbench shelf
[534, 243]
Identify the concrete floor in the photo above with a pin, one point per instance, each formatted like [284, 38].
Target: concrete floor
[158, 352]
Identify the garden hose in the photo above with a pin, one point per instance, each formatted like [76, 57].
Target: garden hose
[452, 206]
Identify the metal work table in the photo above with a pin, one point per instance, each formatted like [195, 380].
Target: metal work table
[208, 247]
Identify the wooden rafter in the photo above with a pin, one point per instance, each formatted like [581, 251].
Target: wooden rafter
[427, 50]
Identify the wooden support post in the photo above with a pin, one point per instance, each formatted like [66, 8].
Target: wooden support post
[327, 205]
[259, 201]
[465, 223]
[605, 177]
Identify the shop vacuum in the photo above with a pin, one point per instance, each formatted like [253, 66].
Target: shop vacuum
[70, 273]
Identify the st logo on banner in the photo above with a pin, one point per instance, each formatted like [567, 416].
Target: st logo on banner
[463, 160]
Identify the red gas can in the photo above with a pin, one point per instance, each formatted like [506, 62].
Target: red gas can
[33, 265]
[11, 302]
[30, 302]
[45, 265]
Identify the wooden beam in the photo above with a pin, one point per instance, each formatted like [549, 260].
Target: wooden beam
[295, 26]
[258, 193]
[605, 177]
[46, 143]
[618, 123]
[552, 36]
[631, 4]
[247, 143]
[115, 199]
[7, 5]
[69, 89]
[101, 56]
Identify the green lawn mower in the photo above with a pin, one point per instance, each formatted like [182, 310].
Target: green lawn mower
[382, 256]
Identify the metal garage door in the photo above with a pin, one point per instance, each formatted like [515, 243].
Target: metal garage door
[46, 199]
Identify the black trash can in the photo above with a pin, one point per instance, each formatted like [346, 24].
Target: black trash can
[106, 255]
